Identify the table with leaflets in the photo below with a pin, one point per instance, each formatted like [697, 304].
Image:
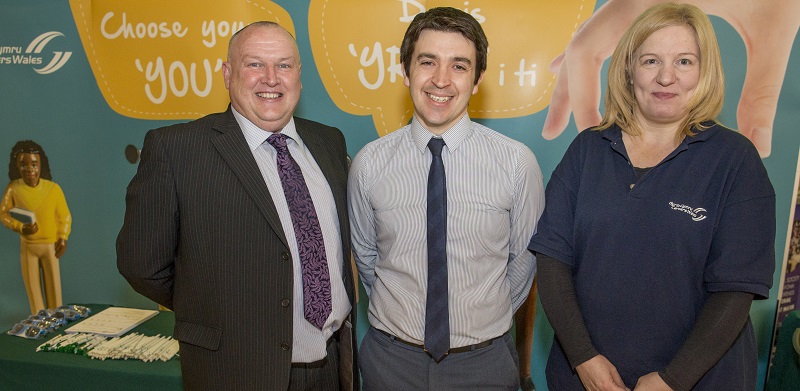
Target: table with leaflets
[23, 368]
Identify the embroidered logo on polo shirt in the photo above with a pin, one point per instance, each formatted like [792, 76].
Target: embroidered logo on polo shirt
[698, 214]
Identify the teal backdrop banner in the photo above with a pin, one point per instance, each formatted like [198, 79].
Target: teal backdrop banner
[87, 78]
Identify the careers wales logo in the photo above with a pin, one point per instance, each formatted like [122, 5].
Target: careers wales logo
[698, 214]
[35, 55]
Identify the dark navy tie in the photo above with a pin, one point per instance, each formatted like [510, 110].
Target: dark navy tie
[310, 246]
[437, 317]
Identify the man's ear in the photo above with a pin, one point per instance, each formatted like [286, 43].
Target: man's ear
[226, 73]
[475, 87]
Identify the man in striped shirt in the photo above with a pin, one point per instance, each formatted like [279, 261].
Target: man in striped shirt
[494, 197]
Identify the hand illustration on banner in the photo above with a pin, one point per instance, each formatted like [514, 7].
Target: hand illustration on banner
[359, 60]
[163, 60]
[767, 27]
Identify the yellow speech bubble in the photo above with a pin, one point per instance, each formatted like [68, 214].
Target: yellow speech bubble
[359, 57]
[157, 59]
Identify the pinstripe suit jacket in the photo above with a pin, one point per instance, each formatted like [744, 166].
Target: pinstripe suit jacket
[201, 236]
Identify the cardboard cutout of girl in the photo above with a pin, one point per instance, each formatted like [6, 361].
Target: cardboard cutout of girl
[44, 239]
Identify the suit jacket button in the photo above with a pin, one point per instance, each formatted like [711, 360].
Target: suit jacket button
[285, 346]
[285, 302]
[285, 256]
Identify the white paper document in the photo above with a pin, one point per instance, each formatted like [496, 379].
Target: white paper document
[113, 321]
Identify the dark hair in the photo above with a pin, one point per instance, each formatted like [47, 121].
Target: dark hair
[28, 146]
[446, 19]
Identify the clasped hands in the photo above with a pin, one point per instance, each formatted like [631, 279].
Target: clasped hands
[598, 374]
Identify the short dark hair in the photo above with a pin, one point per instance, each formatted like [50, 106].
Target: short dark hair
[28, 146]
[446, 19]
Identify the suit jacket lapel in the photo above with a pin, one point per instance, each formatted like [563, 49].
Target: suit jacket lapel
[231, 144]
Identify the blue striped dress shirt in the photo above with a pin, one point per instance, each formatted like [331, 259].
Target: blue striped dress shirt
[495, 198]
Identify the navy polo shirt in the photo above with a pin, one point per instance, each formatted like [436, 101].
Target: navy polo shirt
[646, 253]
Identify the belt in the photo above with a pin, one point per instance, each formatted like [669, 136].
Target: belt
[460, 349]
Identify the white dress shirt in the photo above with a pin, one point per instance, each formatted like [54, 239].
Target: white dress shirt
[495, 197]
[309, 343]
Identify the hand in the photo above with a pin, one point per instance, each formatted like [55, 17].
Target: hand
[598, 374]
[767, 27]
[30, 229]
[61, 246]
[652, 382]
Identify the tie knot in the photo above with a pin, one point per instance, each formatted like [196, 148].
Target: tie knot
[278, 141]
[436, 145]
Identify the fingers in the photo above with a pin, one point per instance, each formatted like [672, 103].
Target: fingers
[618, 384]
[618, 379]
[30, 229]
[755, 114]
[585, 55]
[558, 113]
[768, 39]
[555, 65]
[584, 89]
[599, 374]
[577, 89]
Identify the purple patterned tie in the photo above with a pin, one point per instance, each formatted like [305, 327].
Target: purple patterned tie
[313, 261]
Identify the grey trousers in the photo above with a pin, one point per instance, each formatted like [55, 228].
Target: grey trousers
[387, 365]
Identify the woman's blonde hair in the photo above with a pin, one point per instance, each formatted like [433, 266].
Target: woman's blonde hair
[709, 95]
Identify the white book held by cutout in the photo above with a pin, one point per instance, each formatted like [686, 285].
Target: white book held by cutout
[23, 215]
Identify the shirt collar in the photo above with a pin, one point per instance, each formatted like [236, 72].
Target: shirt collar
[703, 135]
[614, 133]
[453, 137]
[256, 136]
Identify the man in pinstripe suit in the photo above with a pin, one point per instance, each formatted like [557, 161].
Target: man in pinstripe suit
[208, 232]
[493, 200]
